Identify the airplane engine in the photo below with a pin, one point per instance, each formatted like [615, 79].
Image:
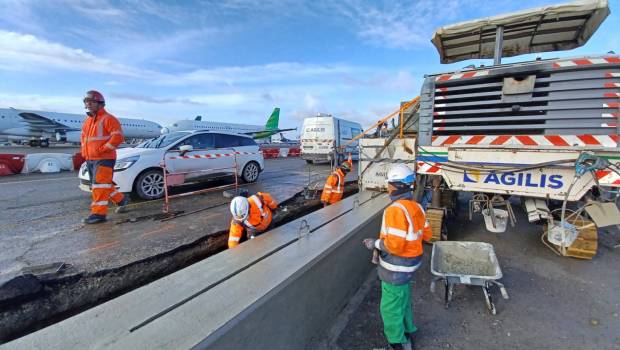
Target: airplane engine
[70, 136]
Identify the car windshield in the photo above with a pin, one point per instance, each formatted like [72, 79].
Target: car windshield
[163, 140]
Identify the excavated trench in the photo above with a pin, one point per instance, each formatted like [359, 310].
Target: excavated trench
[52, 298]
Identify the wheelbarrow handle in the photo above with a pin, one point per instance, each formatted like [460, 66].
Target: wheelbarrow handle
[502, 289]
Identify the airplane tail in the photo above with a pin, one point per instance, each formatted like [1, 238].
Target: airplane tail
[274, 119]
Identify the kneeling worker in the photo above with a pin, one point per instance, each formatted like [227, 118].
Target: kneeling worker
[403, 228]
[252, 214]
[334, 185]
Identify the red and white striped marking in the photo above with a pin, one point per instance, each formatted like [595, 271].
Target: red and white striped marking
[611, 105]
[611, 85]
[586, 62]
[609, 115]
[446, 77]
[612, 94]
[612, 75]
[528, 140]
[608, 177]
[428, 167]
[609, 125]
[212, 156]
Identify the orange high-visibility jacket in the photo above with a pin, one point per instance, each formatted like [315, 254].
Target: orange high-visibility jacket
[334, 187]
[101, 135]
[404, 227]
[258, 218]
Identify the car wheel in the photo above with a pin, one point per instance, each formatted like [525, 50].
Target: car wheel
[150, 184]
[250, 172]
[309, 161]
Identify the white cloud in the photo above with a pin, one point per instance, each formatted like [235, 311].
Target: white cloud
[24, 52]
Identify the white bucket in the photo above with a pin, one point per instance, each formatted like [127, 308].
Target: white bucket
[501, 219]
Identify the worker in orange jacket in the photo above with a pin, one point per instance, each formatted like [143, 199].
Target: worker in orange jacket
[334, 185]
[403, 229]
[252, 214]
[101, 135]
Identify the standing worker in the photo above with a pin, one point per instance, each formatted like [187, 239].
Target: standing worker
[334, 185]
[101, 135]
[403, 228]
[252, 214]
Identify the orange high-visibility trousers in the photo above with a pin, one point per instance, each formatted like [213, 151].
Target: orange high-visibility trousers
[101, 173]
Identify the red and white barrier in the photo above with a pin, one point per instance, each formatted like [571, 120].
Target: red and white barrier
[11, 164]
[280, 152]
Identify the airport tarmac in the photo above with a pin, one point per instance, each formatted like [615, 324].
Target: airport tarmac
[42, 213]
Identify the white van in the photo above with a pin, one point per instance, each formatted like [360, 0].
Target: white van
[322, 136]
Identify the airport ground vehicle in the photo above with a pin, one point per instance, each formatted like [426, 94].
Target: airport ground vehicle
[541, 130]
[205, 154]
[323, 135]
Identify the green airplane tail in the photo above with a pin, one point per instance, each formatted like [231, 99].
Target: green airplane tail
[274, 119]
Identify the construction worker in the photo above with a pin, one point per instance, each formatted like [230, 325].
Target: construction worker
[403, 228]
[101, 135]
[334, 185]
[252, 214]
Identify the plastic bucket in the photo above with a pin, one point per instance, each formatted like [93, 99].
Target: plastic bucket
[501, 219]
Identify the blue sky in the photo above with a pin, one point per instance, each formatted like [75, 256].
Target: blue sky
[236, 60]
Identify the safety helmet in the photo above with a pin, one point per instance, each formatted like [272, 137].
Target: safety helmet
[239, 208]
[346, 166]
[400, 173]
[96, 96]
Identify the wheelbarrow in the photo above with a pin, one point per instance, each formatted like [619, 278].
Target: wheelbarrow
[469, 263]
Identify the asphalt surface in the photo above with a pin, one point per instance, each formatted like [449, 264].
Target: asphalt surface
[41, 219]
[555, 302]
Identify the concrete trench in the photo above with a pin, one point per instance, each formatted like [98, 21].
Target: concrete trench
[44, 301]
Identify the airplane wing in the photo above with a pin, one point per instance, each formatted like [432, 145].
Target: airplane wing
[39, 122]
[267, 132]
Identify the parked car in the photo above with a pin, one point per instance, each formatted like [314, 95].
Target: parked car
[199, 154]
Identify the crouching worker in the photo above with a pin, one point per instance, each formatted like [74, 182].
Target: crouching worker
[251, 214]
[403, 228]
[334, 185]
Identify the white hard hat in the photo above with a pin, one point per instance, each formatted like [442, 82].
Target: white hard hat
[400, 173]
[239, 208]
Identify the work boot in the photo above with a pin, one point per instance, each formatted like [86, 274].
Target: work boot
[122, 205]
[403, 346]
[94, 219]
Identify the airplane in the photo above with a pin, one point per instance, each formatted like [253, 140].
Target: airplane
[256, 131]
[40, 126]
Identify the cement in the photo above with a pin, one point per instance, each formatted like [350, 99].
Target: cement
[463, 260]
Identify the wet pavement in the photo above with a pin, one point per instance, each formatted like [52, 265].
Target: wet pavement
[555, 302]
[41, 224]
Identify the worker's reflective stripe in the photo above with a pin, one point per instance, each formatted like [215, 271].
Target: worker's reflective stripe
[234, 239]
[410, 235]
[426, 224]
[102, 185]
[109, 146]
[328, 186]
[116, 133]
[339, 189]
[395, 232]
[259, 204]
[98, 138]
[113, 193]
[397, 268]
[99, 203]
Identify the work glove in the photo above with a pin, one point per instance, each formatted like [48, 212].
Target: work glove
[369, 243]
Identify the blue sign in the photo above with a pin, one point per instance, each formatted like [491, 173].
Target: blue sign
[522, 179]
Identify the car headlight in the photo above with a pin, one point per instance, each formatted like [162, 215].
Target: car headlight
[125, 163]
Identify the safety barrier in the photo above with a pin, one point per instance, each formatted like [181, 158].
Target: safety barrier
[280, 152]
[178, 178]
[48, 162]
[11, 164]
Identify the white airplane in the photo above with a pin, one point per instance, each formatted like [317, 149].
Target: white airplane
[40, 126]
[256, 131]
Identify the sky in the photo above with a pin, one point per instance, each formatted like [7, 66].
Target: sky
[235, 60]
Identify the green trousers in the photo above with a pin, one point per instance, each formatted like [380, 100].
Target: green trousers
[396, 312]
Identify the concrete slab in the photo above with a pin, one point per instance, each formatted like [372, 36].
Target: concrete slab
[42, 225]
[181, 310]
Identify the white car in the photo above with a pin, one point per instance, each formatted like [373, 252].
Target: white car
[193, 155]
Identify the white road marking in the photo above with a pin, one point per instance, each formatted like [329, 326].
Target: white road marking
[22, 182]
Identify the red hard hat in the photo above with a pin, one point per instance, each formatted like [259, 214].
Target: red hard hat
[95, 96]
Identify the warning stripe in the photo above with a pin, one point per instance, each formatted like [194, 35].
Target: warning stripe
[446, 77]
[609, 115]
[612, 94]
[612, 75]
[428, 168]
[611, 105]
[607, 177]
[611, 85]
[586, 62]
[212, 156]
[529, 140]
